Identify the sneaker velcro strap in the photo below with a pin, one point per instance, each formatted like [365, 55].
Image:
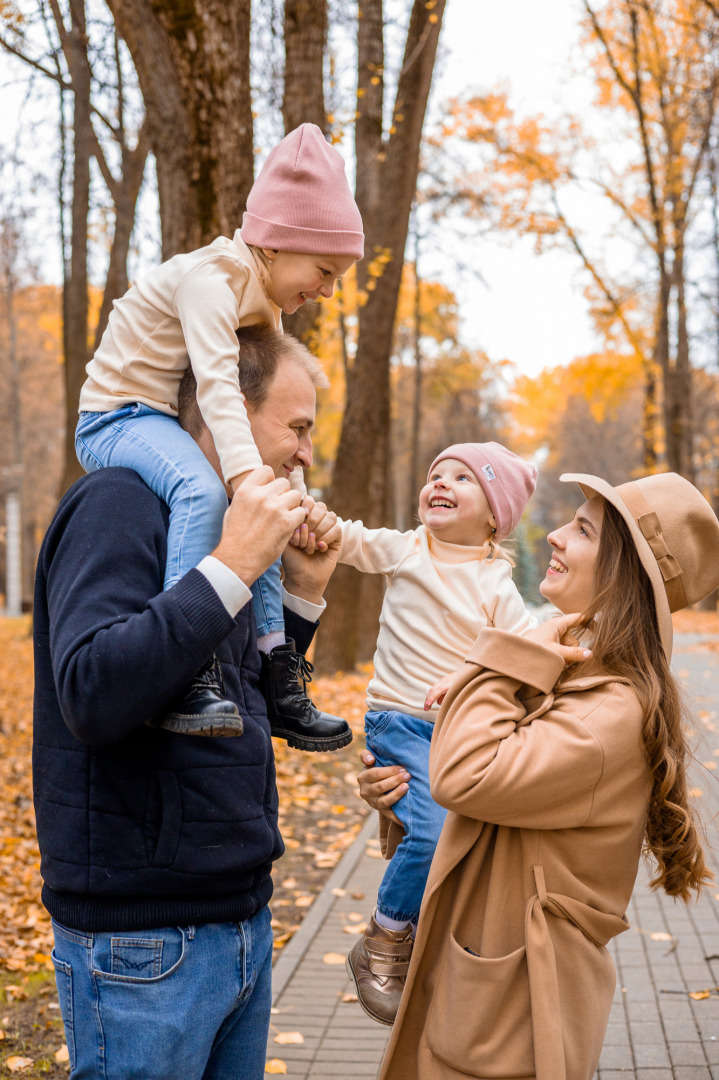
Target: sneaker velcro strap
[388, 967]
[391, 951]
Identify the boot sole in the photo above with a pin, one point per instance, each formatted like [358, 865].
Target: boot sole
[211, 729]
[365, 1008]
[304, 742]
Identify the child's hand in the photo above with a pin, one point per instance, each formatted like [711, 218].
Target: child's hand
[436, 693]
[318, 531]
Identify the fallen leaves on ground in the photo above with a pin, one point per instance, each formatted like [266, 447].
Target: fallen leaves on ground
[691, 621]
[276, 1066]
[289, 1038]
[320, 809]
[26, 939]
[17, 1064]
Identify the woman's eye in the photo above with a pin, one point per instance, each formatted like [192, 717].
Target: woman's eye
[326, 273]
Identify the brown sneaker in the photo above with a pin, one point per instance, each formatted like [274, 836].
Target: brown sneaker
[378, 966]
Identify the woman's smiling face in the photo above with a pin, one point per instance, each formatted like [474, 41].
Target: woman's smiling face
[569, 582]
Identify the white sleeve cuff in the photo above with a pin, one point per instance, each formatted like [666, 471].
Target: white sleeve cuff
[303, 608]
[233, 592]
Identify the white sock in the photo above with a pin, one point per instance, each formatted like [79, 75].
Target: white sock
[268, 641]
[390, 924]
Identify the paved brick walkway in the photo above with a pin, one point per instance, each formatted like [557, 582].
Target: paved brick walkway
[656, 1031]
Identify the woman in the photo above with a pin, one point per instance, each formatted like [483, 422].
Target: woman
[559, 764]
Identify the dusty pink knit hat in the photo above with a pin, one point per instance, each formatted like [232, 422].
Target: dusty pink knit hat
[301, 200]
[507, 481]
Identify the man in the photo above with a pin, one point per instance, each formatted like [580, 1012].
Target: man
[156, 847]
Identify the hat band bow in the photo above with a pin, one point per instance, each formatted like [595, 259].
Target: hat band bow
[648, 522]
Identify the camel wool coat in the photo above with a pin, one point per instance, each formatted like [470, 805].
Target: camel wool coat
[548, 795]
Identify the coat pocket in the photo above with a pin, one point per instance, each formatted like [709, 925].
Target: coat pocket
[479, 1021]
[168, 839]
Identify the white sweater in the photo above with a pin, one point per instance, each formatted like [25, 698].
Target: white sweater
[439, 596]
[191, 305]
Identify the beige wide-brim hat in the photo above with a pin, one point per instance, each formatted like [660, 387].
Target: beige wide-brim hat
[676, 534]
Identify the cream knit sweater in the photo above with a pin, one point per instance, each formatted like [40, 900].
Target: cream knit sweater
[191, 305]
[439, 596]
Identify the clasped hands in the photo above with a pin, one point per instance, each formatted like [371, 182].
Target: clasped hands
[264, 515]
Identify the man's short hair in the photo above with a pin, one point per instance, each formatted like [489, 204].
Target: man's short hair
[261, 351]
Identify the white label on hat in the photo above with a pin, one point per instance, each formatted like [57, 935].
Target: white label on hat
[489, 472]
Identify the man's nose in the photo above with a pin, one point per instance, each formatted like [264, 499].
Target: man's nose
[304, 451]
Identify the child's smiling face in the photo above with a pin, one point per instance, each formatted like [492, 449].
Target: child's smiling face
[297, 278]
[453, 506]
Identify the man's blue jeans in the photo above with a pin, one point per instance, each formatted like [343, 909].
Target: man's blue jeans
[398, 739]
[173, 466]
[189, 1003]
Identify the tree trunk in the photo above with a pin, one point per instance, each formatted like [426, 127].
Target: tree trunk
[193, 65]
[75, 289]
[683, 374]
[305, 43]
[360, 480]
[304, 102]
[124, 195]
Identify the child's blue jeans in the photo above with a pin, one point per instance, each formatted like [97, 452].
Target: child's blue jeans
[398, 739]
[173, 466]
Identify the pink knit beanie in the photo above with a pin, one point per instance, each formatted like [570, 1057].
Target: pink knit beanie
[301, 200]
[507, 481]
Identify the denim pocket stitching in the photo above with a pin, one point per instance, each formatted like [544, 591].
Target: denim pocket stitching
[107, 976]
[75, 936]
[67, 1013]
[157, 944]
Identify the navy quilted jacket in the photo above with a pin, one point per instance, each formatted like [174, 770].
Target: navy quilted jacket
[139, 827]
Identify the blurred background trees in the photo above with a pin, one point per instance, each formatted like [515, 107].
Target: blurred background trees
[152, 115]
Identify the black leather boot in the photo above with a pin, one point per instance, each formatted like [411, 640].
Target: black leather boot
[202, 709]
[285, 674]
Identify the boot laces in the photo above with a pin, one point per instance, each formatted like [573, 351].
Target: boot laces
[301, 669]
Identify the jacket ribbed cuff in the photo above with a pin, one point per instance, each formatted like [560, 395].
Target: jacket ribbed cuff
[203, 608]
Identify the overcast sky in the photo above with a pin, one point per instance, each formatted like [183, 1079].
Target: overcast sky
[533, 311]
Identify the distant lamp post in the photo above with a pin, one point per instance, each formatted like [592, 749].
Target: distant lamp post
[13, 542]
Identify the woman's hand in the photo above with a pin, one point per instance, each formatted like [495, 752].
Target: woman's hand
[382, 786]
[554, 633]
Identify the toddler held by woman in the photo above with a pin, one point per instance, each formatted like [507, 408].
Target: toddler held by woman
[446, 580]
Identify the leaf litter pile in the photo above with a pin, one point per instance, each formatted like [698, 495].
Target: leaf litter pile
[320, 816]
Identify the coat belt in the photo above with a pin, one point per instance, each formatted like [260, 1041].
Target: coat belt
[597, 926]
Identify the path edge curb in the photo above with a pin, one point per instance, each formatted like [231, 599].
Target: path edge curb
[293, 953]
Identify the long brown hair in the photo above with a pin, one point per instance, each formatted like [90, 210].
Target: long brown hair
[625, 642]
